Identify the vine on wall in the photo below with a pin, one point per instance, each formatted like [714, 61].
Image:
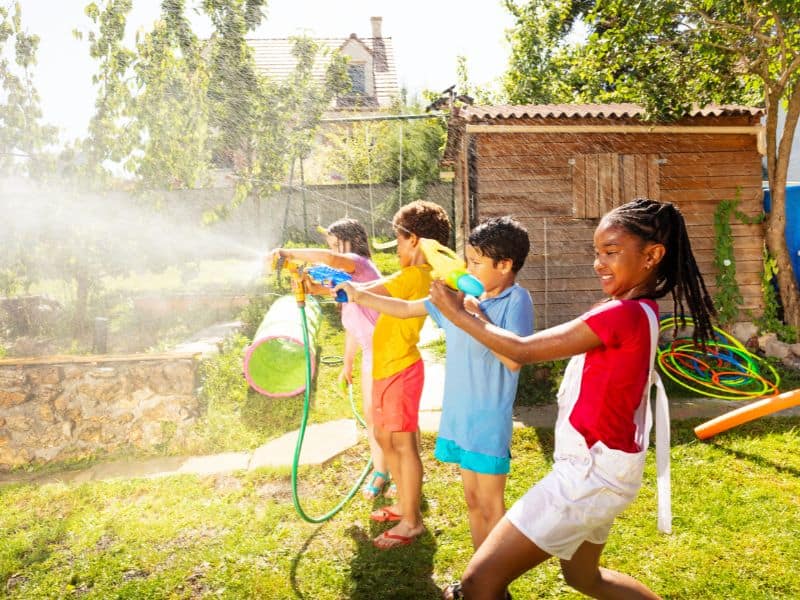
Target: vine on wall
[728, 297]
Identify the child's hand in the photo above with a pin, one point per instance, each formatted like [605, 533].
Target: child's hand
[346, 377]
[472, 304]
[353, 294]
[450, 302]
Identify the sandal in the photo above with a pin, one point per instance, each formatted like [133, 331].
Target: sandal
[455, 591]
[385, 515]
[371, 490]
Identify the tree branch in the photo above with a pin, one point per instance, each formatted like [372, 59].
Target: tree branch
[790, 70]
[743, 31]
[781, 39]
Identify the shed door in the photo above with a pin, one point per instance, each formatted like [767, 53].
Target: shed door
[601, 182]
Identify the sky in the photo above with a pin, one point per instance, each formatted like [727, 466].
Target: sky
[428, 36]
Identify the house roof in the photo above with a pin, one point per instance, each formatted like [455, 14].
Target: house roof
[582, 111]
[273, 57]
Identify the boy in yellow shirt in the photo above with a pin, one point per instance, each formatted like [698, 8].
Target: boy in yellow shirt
[397, 370]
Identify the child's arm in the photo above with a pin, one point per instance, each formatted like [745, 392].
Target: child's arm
[561, 341]
[350, 348]
[395, 307]
[375, 286]
[318, 255]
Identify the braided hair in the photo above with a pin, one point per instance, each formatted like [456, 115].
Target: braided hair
[350, 230]
[677, 273]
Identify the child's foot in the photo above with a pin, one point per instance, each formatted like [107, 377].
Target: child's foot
[399, 535]
[390, 491]
[452, 592]
[376, 484]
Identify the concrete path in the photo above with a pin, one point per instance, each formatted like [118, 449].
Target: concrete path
[322, 442]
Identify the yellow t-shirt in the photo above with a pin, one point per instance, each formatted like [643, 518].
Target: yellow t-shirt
[394, 342]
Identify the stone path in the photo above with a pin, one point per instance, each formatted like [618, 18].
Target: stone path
[322, 442]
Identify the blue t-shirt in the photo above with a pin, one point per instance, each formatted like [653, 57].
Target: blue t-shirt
[479, 390]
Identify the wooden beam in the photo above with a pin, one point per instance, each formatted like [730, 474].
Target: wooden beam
[756, 130]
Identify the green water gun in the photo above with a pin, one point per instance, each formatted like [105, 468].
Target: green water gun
[448, 267]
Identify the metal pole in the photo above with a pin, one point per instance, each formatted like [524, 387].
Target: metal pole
[369, 179]
[100, 341]
[400, 189]
[432, 115]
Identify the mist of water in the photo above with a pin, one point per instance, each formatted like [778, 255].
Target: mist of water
[45, 226]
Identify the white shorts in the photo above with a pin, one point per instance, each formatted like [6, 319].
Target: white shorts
[578, 500]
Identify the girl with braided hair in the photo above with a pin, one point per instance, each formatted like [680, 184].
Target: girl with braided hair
[642, 253]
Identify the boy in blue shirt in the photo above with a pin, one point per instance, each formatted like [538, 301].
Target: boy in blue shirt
[480, 385]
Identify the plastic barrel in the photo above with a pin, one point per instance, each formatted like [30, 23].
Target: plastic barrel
[275, 363]
[792, 227]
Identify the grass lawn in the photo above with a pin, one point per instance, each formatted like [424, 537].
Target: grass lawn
[736, 504]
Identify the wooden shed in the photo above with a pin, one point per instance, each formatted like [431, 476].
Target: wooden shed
[559, 168]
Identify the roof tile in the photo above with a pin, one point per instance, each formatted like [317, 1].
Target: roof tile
[620, 110]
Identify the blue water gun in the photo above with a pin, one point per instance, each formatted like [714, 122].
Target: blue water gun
[329, 277]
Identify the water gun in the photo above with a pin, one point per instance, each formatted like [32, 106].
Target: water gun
[449, 268]
[319, 273]
[329, 277]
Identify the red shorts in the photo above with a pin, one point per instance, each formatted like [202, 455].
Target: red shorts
[395, 399]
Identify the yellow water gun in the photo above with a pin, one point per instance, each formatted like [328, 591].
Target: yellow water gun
[448, 267]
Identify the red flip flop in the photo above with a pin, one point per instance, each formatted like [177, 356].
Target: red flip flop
[394, 540]
[384, 515]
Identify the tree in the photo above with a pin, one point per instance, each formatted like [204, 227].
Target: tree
[170, 110]
[111, 138]
[234, 86]
[23, 137]
[260, 125]
[668, 55]
[403, 152]
[541, 55]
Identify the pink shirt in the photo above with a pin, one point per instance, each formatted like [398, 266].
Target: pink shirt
[358, 320]
[614, 374]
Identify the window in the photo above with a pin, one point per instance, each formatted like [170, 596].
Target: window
[601, 182]
[358, 79]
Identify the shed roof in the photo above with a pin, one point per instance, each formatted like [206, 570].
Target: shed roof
[567, 114]
[620, 110]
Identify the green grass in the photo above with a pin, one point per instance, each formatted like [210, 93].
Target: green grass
[237, 536]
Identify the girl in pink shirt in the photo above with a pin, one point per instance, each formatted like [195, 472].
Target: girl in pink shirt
[349, 251]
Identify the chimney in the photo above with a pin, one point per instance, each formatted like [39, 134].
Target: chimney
[376, 27]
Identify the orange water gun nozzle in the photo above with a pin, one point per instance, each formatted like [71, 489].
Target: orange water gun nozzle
[295, 272]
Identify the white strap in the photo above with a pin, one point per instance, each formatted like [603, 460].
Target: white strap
[662, 424]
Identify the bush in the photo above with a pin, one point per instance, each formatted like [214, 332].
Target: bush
[539, 383]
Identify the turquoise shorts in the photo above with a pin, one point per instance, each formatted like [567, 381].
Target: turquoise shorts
[450, 452]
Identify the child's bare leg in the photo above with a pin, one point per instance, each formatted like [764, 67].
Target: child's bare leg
[405, 443]
[375, 450]
[584, 574]
[503, 556]
[409, 475]
[485, 503]
[392, 458]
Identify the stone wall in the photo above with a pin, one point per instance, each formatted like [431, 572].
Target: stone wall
[66, 407]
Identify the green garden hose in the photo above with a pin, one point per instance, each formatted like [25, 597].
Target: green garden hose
[301, 434]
